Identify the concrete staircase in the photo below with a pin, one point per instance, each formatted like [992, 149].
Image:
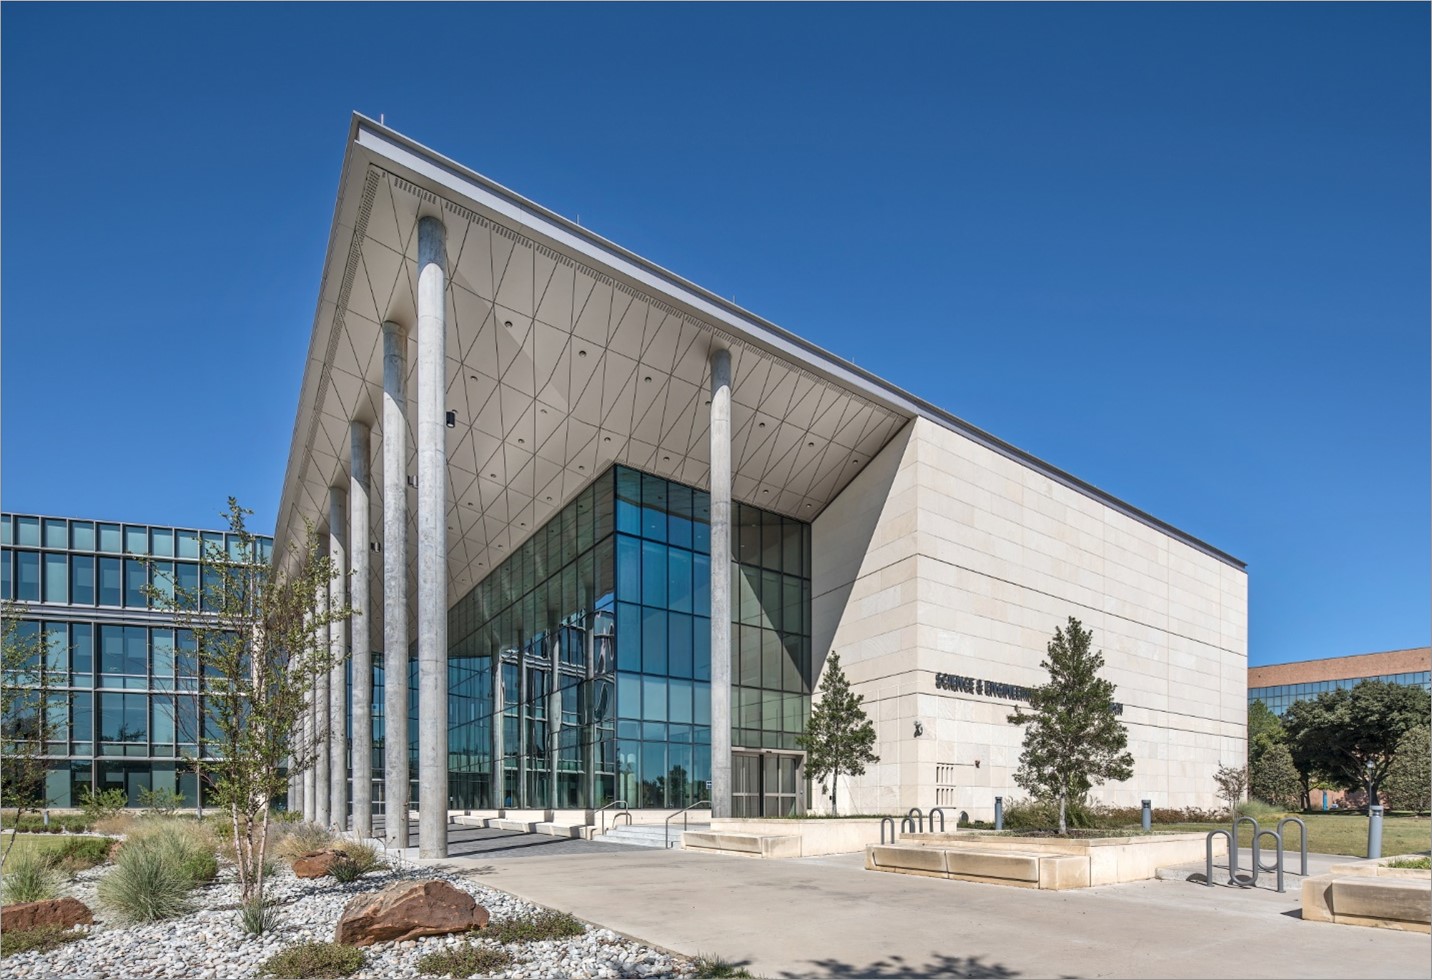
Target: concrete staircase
[648, 835]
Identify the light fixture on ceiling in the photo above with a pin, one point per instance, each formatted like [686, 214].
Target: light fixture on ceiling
[666, 459]
[451, 419]
[473, 377]
[524, 524]
[581, 353]
[582, 469]
[507, 324]
[521, 442]
[760, 425]
[549, 500]
[492, 476]
[810, 445]
[647, 379]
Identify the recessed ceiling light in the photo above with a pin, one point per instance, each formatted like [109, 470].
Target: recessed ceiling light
[524, 523]
[543, 411]
[810, 445]
[666, 459]
[473, 377]
[581, 353]
[765, 491]
[521, 442]
[760, 425]
[582, 468]
[647, 379]
[500, 547]
[493, 475]
[549, 500]
[507, 324]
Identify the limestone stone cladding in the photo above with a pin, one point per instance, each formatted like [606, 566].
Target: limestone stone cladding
[947, 557]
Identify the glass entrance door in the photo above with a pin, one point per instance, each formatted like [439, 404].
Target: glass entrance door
[766, 785]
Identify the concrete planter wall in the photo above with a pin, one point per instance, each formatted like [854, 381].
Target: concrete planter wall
[1111, 859]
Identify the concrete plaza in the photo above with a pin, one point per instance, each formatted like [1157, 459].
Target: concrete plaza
[828, 917]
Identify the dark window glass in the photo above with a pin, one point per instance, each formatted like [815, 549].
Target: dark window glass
[679, 650]
[27, 576]
[123, 717]
[82, 648]
[187, 544]
[6, 584]
[82, 580]
[678, 580]
[701, 584]
[653, 641]
[82, 716]
[110, 590]
[136, 577]
[82, 535]
[653, 573]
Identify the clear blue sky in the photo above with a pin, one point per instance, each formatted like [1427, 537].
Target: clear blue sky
[1179, 250]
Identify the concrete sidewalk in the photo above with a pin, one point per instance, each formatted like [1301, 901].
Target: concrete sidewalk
[828, 917]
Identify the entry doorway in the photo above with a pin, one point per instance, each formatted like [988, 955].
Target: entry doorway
[767, 784]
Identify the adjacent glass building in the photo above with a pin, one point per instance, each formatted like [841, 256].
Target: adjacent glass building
[580, 666]
[1279, 686]
[124, 690]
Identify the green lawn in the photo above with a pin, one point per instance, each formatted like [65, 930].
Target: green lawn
[29, 842]
[1337, 833]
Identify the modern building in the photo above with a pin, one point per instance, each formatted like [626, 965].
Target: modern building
[621, 523]
[1279, 685]
[121, 675]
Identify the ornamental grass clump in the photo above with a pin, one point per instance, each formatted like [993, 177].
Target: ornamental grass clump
[716, 968]
[546, 924]
[28, 877]
[188, 846]
[146, 885]
[313, 960]
[257, 917]
[303, 838]
[468, 960]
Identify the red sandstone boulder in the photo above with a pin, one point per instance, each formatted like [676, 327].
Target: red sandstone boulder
[316, 864]
[407, 910]
[62, 912]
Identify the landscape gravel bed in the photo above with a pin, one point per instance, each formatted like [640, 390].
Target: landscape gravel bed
[209, 943]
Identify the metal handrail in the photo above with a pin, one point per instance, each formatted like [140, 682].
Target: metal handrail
[682, 813]
[602, 810]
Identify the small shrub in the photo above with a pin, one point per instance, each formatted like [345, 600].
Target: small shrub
[715, 968]
[546, 924]
[465, 961]
[345, 870]
[1412, 864]
[313, 960]
[29, 877]
[105, 803]
[365, 856]
[38, 940]
[186, 845]
[79, 853]
[147, 884]
[1044, 814]
[160, 802]
[301, 839]
[257, 917]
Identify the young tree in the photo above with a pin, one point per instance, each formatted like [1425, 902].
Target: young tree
[838, 737]
[1341, 732]
[1232, 784]
[256, 635]
[1409, 778]
[1274, 779]
[1074, 740]
[26, 720]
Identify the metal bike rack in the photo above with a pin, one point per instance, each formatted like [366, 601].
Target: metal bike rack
[883, 822]
[1208, 857]
[907, 826]
[941, 811]
[1302, 840]
[917, 815]
[1277, 864]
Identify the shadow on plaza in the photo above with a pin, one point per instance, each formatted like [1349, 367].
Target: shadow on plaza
[898, 966]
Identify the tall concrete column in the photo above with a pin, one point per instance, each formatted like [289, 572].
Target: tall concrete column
[321, 768]
[720, 583]
[309, 774]
[499, 749]
[395, 584]
[359, 540]
[338, 653]
[432, 541]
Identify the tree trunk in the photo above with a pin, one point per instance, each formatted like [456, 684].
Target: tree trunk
[1063, 826]
[834, 789]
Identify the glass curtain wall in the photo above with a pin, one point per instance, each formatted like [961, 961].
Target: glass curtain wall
[124, 690]
[583, 661]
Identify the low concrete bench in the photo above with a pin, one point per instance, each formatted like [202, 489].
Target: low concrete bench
[1361, 900]
[1021, 869]
[746, 845]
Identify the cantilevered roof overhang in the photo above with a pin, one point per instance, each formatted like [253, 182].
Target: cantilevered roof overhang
[566, 353]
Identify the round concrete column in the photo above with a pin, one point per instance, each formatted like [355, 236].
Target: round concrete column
[359, 546]
[432, 541]
[337, 652]
[395, 584]
[321, 768]
[721, 583]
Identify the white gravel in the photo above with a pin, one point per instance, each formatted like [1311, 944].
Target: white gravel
[209, 942]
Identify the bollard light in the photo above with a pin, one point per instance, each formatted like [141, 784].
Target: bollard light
[1148, 816]
[999, 813]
